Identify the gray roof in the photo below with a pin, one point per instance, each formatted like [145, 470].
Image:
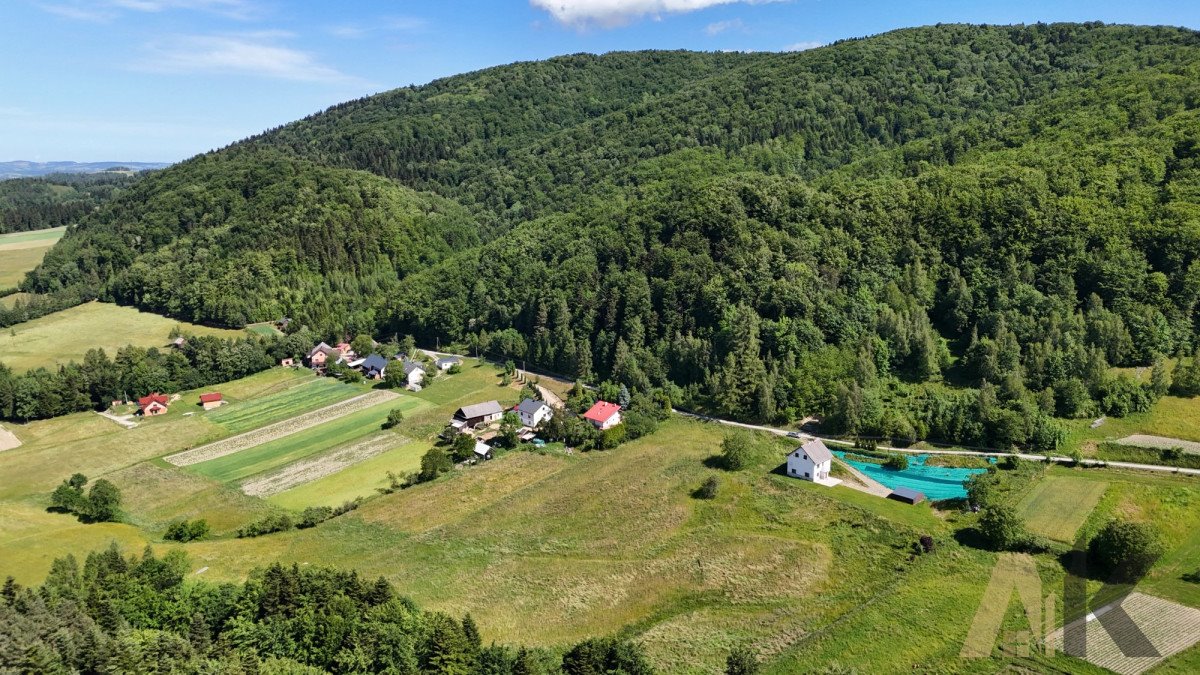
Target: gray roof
[817, 451]
[530, 406]
[410, 366]
[449, 359]
[374, 362]
[480, 410]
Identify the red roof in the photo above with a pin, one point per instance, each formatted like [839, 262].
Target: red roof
[210, 398]
[152, 398]
[601, 412]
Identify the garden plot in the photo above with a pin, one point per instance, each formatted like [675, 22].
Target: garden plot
[279, 430]
[1160, 443]
[315, 468]
[1169, 626]
[1058, 506]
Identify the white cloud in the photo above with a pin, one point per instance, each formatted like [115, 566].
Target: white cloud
[257, 54]
[721, 26]
[610, 13]
[803, 46]
[398, 24]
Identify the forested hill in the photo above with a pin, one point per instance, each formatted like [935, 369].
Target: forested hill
[56, 199]
[948, 231]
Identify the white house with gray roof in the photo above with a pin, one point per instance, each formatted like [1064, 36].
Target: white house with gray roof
[533, 412]
[812, 462]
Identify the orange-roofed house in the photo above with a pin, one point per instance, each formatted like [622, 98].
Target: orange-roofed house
[603, 415]
[154, 404]
[212, 400]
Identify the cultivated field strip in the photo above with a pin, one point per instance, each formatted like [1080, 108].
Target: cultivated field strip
[287, 427]
[1169, 626]
[326, 464]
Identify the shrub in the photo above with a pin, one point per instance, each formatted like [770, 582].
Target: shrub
[1010, 463]
[434, 463]
[737, 451]
[394, 418]
[708, 489]
[184, 531]
[927, 543]
[272, 523]
[1003, 528]
[741, 661]
[454, 369]
[896, 462]
[313, 515]
[462, 447]
[1125, 550]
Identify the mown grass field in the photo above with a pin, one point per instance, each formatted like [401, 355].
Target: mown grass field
[1058, 506]
[548, 549]
[282, 451]
[299, 395]
[20, 252]
[67, 335]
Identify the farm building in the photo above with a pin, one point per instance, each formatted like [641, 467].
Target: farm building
[604, 415]
[178, 343]
[211, 400]
[414, 372]
[373, 367]
[447, 362]
[813, 462]
[533, 412]
[322, 354]
[482, 450]
[154, 404]
[471, 416]
[907, 495]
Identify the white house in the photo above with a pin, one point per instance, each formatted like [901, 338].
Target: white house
[413, 372]
[533, 412]
[813, 462]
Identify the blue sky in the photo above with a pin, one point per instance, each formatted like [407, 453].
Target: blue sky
[161, 80]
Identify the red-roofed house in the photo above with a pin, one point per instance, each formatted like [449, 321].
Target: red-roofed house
[213, 400]
[604, 415]
[154, 404]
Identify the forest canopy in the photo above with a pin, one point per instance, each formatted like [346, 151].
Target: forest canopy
[950, 232]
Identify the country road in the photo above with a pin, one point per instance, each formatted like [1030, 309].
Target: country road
[1040, 458]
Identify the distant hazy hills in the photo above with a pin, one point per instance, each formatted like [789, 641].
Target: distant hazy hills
[23, 169]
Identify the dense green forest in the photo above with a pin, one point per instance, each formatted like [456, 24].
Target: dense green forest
[57, 199]
[137, 614]
[949, 232]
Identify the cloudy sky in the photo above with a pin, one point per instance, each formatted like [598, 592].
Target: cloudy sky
[161, 80]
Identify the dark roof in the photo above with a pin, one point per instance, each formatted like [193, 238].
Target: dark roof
[410, 365]
[449, 359]
[530, 406]
[909, 495]
[374, 362]
[817, 451]
[479, 410]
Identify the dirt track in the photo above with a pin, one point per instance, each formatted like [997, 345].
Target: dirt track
[277, 430]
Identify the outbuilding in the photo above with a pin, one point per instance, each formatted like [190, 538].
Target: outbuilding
[907, 495]
[211, 400]
[471, 416]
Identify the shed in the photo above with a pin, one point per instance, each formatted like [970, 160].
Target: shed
[907, 495]
[211, 400]
[480, 413]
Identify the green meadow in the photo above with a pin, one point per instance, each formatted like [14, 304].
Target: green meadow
[20, 252]
[1058, 506]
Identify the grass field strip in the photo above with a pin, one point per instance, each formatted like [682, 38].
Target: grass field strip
[278, 430]
[1169, 626]
[325, 464]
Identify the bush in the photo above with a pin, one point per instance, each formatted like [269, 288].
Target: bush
[100, 504]
[314, 515]
[454, 369]
[1003, 528]
[737, 451]
[434, 463]
[741, 661]
[272, 523]
[927, 543]
[394, 418]
[184, 531]
[708, 489]
[896, 462]
[462, 447]
[1125, 551]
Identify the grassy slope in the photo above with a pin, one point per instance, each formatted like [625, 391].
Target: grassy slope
[22, 251]
[1058, 506]
[67, 335]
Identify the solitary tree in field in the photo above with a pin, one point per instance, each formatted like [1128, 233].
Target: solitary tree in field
[1125, 550]
[104, 501]
[736, 451]
[462, 447]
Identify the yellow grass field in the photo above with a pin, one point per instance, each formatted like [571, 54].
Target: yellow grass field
[20, 252]
[67, 335]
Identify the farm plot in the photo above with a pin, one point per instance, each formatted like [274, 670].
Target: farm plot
[326, 464]
[281, 405]
[1160, 443]
[1170, 628]
[279, 430]
[1059, 505]
[357, 419]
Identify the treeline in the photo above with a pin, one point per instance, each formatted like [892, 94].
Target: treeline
[952, 232]
[136, 371]
[138, 614]
[56, 199]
